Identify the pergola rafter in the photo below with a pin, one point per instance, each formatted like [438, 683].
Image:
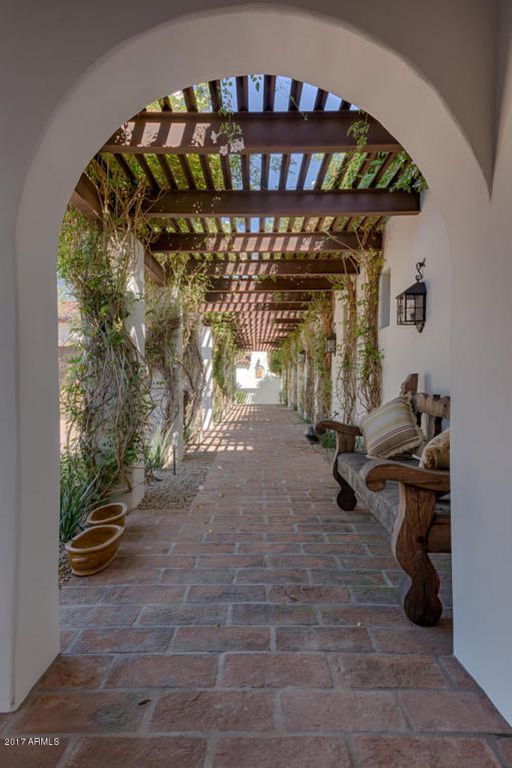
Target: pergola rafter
[276, 220]
[183, 133]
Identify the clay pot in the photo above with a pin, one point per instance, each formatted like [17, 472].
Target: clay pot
[108, 514]
[93, 549]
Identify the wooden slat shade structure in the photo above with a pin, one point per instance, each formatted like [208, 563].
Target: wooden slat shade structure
[183, 133]
[282, 267]
[344, 202]
[253, 297]
[265, 242]
[271, 223]
[267, 284]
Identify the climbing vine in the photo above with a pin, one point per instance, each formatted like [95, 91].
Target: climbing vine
[106, 390]
[225, 354]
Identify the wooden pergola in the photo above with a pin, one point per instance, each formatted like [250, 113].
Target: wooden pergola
[272, 224]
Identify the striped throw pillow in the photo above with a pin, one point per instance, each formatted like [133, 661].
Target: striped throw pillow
[391, 429]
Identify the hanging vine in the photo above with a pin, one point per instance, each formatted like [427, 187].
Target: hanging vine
[106, 389]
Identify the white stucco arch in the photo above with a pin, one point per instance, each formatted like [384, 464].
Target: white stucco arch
[321, 50]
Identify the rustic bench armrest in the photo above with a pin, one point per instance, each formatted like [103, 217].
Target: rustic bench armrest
[337, 426]
[378, 472]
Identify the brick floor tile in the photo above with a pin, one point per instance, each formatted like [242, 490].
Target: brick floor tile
[81, 712]
[203, 549]
[157, 670]
[310, 711]
[76, 672]
[436, 640]
[222, 639]
[198, 576]
[505, 751]
[99, 616]
[347, 577]
[143, 595]
[275, 670]
[129, 640]
[457, 675]
[376, 595]
[80, 595]
[214, 711]
[272, 576]
[226, 594]
[231, 561]
[171, 615]
[304, 593]
[322, 639]
[31, 755]
[372, 670]
[452, 711]
[269, 548]
[302, 561]
[136, 752]
[406, 751]
[337, 548]
[364, 615]
[258, 613]
[291, 752]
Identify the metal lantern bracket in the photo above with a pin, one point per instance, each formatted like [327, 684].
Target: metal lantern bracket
[412, 303]
[330, 344]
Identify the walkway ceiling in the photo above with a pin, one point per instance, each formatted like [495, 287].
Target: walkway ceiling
[277, 220]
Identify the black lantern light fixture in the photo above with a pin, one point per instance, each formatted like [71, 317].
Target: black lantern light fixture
[302, 356]
[330, 344]
[411, 305]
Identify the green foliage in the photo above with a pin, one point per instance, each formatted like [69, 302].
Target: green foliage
[79, 492]
[105, 394]
[154, 451]
[225, 353]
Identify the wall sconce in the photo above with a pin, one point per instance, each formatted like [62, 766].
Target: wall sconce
[411, 305]
[302, 356]
[330, 344]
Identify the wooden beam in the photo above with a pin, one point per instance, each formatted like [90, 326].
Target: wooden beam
[259, 242]
[283, 267]
[253, 297]
[268, 306]
[154, 269]
[85, 197]
[262, 132]
[270, 284]
[343, 202]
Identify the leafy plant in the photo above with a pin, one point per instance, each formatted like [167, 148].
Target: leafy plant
[79, 492]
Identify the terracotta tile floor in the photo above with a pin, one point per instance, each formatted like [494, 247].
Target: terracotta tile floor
[261, 628]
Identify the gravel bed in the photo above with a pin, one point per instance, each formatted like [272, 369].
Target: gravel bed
[178, 491]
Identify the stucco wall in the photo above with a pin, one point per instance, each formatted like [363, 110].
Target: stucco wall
[407, 241]
[428, 72]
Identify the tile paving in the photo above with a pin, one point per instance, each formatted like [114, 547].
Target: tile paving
[259, 628]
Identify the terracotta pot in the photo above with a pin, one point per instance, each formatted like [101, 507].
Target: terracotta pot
[93, 549]
[108, 514]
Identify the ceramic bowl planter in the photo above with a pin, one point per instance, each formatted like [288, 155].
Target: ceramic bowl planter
[93, 549]
[108, 514]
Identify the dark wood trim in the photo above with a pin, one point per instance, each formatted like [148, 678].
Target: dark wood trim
[345, 202]
[263, 132]
[259, 242]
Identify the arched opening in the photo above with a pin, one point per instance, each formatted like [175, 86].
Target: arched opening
[166, 58]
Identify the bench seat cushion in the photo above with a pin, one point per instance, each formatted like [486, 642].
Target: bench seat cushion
[384, 504]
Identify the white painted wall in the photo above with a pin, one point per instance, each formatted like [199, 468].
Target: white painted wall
[430, 73]
[407, 241]
[206, 337]
[263, 391]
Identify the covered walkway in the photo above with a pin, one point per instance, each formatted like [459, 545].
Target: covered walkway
[260, 628]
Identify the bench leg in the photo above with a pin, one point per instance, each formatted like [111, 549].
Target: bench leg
[409, 541]
[346, 498]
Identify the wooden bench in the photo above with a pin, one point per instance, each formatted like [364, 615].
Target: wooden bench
[411, 503]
